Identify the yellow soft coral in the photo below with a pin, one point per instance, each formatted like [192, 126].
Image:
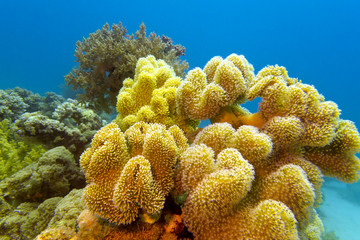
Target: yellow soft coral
[286, 97]
[136, 188]
[315, 229]
[338, 159]
[221, 197]
[285, 132]
[150, 96]
[289, 185]
[131, 171]
[255, 146]
[222, 82]
[313, 172]
[222, 203]
[245, 176]
[217, 136]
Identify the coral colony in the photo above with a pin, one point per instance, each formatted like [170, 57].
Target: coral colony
[153, 173]
[245, 176]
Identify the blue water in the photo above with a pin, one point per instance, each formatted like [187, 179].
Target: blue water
[317, 41]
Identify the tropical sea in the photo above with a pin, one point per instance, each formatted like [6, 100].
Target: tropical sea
[317, 42]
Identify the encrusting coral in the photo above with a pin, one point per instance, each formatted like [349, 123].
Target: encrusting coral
[245, 176]
[55, 218]
[108, 56]
[63, 223]
[27, 220]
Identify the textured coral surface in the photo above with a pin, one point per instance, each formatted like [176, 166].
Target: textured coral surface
[151, 97]
[108, 56]
[131, 173]
[154, 174]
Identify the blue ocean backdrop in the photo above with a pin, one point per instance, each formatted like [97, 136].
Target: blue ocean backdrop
[317, 41]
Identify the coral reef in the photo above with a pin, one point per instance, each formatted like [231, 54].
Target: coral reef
[130, 174]
[108, 56]
[67, 210]
[64, 221]
[27, 220]
[16, 101]
[53, 175]
[150, 97]
[44, 104]
[295, 138]
[15, 154]
[55, 218]
[70, 125]
[11, 105]
[154, 174]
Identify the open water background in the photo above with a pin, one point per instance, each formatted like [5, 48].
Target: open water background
[316, 40]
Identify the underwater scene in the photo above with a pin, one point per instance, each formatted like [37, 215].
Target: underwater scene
[179, 120]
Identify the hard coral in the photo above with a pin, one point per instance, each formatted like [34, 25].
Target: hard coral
[16, 101]
[131, 173]
[11, 105]
[108, 56]
[70, 125]
[44, 104]
[63, 223]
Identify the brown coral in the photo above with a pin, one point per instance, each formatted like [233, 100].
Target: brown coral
[109, 56]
